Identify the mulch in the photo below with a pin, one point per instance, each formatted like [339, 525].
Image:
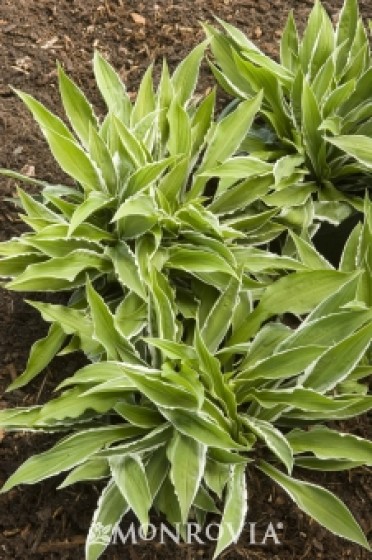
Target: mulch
[39, 522]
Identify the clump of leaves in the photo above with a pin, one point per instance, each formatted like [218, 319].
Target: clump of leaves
[179, 306]
[315, 119]
[137, 208]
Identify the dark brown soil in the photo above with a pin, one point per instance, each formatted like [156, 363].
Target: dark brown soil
[39, 522]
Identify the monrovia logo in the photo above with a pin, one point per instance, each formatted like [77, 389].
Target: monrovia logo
[101, 534]
[189, 533]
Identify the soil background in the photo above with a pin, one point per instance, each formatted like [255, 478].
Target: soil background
[38, 522]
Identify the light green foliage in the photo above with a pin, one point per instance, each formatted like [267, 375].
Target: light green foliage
[316, 106]
[213, 325]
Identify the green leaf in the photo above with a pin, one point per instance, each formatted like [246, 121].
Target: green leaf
[327, 330]
[171, 185]
[195, 217]
[36, 209]
[289, 44]
[197, 260]
[219, 318]
[71, 320]
[318, 503]
[339, 361]
[133, 148]
[66, 454]
[291, 294]
[146, 175]
[186, 74]
[19, 418]
[187, 458]
[262, 78]
[356, 146]
[149, 442]
[130, 477]
[14, 247]
[297, 397]
[336, 300]
[226, 457]
[156, 470]
[105, 332]
[235, 511]
[44, 117]
[44, 276]
[165, 94]
[14, 266]
[23, 178]
[77, 108]
[258, 260]
[137, 205]
[251, 51]
[100, 372]
[112, 88]
[347, 22]
[204, 501]
[73, 160]
[198, 426]
[171, 349]
[95, 201]
[73, 404]
[179, 142]
[163, 305]
[163, 394]
[309, 255]
[273, 438]
[311, 120]
[282, 365]
[255, 223]
[213, 377]
[166, 502]
[137, 415]
[239, 196]
[225, 251]
[228, 77]
[86, 231]
[100, 154]
[145, 101]
[93, 469]
[239, 168]
[202, 121]
[345, 33]
[230, 85]
[337, 97]
[110, 509]
[330, 444]
[311, 36]
[324, 465]
[285, 167]
[41, 353]
[126, 268]
[226, 138]
[216, 476]
[348, 262]
[131, 315]
[349, 407]
[60, 247]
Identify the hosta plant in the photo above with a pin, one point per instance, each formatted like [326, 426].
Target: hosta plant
[138, 197]
[315, 121]
[208, 353]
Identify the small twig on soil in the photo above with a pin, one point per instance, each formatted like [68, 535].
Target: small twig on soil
[58, 545]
